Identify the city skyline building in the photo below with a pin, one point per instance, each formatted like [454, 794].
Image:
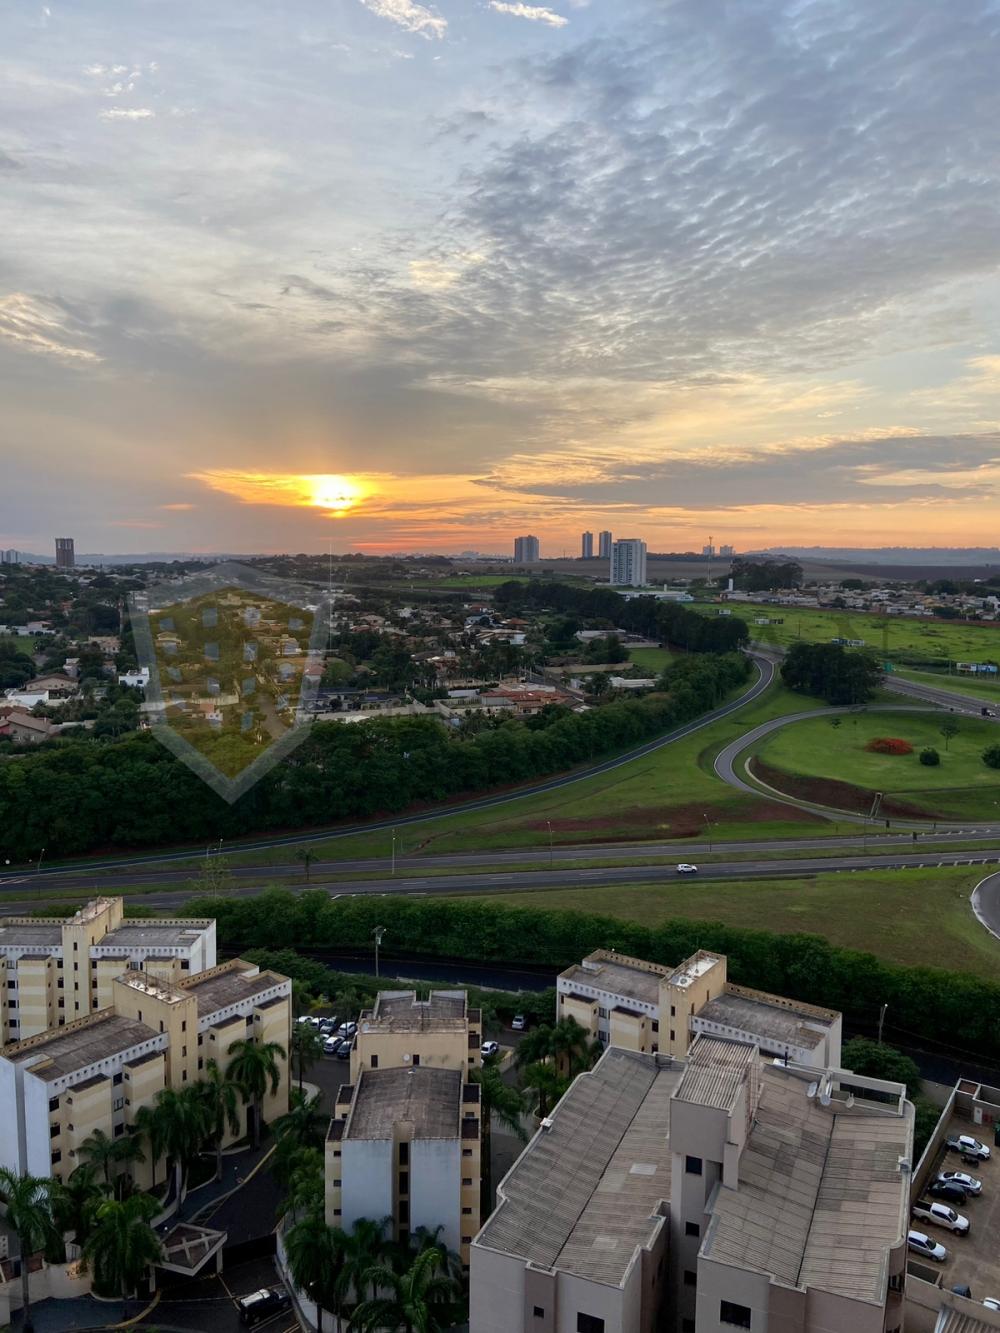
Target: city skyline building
[628, 563]
[587, 546]
[604, 545]
[65, 553]
[526, 550]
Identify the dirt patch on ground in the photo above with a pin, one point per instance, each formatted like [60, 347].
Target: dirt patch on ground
[836, 794]
[682, 821]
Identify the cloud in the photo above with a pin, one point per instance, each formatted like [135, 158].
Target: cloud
[409, 15]
[37, 325]
[534, 12]
[177, 508]
[127, 113]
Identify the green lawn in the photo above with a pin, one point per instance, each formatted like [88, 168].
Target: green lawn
[906, 916]
[983, 690]
[961, 785]
[654, 660]
[884, 634]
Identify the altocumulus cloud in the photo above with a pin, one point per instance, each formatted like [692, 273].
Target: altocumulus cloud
[536, 13]
[409, 15]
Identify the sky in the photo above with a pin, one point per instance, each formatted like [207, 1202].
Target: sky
[384, 275]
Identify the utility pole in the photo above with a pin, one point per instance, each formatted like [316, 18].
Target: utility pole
[709, 823]
[393, 851]
[378, 932]
[881, 1020]
[548, 824]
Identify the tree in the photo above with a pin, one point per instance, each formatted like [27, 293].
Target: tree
[122, 1244]
[74, 1202]
[301, 1173]
[221, 1098]
[547, 1084]
[304, 1126]
[420, 1300]
[307, 856]
[831, 672]
[949, 728]
[316, 1261]
[307, 1048]
[991, 756]
[875, 1060]
[365, 1248]
[253, 1068]
[498, 1099]
[29, 1214]
[184, 1123]
[148, 1123]
[99, 1150]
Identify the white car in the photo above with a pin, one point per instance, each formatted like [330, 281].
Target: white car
[489, 1048]
[992, 1303]
[517, 1023]
[969, 1183]
[687, 869]
[965, 1143]
[930, 1249]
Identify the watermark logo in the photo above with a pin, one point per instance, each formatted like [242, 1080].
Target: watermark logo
[232, 660]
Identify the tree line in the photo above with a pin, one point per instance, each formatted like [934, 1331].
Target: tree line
[953, 1008]
[134, 793]
[831, 672]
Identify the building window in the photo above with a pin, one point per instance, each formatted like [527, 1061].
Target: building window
[404, 1211]
[53, 1103]
[690, 1279]
[729, 1313]
[336, 1212]
[466, 1152]
[404, 1154]
[538, 1312]
[466, 1181]
[416, 1061]
[117, 1078]
[374, 1062]
[119, 1129]
[673, 1035]
[589, 1323]
[692, 1229]
[467, 1212]
[337, 1184]
[896, 1281]
[602, 1013]
[404, 1182]
[53, 1130]
[656, 1025]
[56, 1157]
[692, 1165]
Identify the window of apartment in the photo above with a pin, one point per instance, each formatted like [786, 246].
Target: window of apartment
[11, 984]
[656, 1025]
[673, 1012]
[61, 1004]
[690, 1279]
[337, 1184]
[466, 1181]
[466, 1152]
[467, 1212]
[692, 1165]
[673, 1035]
[53, 1103]
[589, 1323]
[404, 1210]
[336, 1212]
[730, 1313]
[404, 1182]
[118, 1103]
[118, 1077]
[692, 1229]
[374, 1062]
[538, 1312]
[56, 1157]
[601, 1013]
[119, 1130]
[404, 1154]
[184, 1025]
[416, 1061]
[53, 1130]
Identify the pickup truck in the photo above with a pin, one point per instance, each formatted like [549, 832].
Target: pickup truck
[941, 1215]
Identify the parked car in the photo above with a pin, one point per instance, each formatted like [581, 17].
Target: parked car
[685, 868]
[948, 1191]
[347, 1029]
[926, 1210]
[344, 1050]
[992, 1303]
[969, 1147]
[970, 1184]
[930, 1249]
[518, 1024]
[332, 1045]
[329, 1025]
[489, 1048]
[263, 1304]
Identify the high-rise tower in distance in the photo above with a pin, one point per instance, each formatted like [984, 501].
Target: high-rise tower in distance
[628, 563]
[604, 545]
[65, 554]
[525, 550]
[587, 546]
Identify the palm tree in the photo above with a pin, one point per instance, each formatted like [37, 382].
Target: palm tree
[122, 1244]
[303, 1180]
[421, 1300]
[547, 1084]
[315, 1254]
[29, 1214]
[221, 1098]
[423, 1238]
[307, 1047]
[103, 1153]
[307, 856]
[253, 1067]
[500, 1101]
[365, 1248]
[305, 1124]
[74, 1200]
[184, 1123]
[149, 1123]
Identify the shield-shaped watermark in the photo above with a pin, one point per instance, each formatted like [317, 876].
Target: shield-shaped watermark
[234, 659]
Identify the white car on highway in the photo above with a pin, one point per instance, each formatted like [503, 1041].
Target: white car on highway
[685, 868]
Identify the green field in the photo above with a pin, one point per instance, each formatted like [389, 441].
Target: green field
[883, 634]
[650, 659]
[961, 786]
[920, 917]
[983, 690]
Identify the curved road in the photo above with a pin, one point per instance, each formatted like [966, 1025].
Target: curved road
[986, 903]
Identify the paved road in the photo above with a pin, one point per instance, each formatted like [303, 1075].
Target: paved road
[986, 903]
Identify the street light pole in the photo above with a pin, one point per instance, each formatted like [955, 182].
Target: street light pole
[393, 851]
[881, 1020]
[709, 823]
[378, 932]
[39, 865]
[548, 824]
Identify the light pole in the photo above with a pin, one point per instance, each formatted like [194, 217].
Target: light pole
[393, 851]
[709, 824]
[548, 825]
[881, 1020]
[39, 865]
[378, 932]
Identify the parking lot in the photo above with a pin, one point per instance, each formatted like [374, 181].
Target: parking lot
[973, 1259]
[209, 1303]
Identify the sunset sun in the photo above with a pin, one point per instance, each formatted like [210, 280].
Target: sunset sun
[335, 493]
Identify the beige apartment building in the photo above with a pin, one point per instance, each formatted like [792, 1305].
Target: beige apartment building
[404, 1143]
[403, 1032]
[640, 1006]
[701, 1194]
[53, 972]
[95, 1072]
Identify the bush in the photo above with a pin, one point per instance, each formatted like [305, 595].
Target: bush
[889, 745]
[930, 757]
[991, 756]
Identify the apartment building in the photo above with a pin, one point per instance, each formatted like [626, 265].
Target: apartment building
[404, 1143]
[641, 1006]
[526, 550]
[53, 972]
[701, 1194]
[404, 1032]
[628, 563]
[96, 1071]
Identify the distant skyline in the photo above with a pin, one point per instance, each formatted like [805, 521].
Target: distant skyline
[388, 275]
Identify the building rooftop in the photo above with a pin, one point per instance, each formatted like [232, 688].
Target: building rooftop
[33, 935]
[141, 934]
[767, 1017]
[821, 1195]
[716, 1071]
[429, 1099]
[230, 987]
[693, 968]
[401, 1011]
[87, 1042]
[586, 1192]
[618, 974]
